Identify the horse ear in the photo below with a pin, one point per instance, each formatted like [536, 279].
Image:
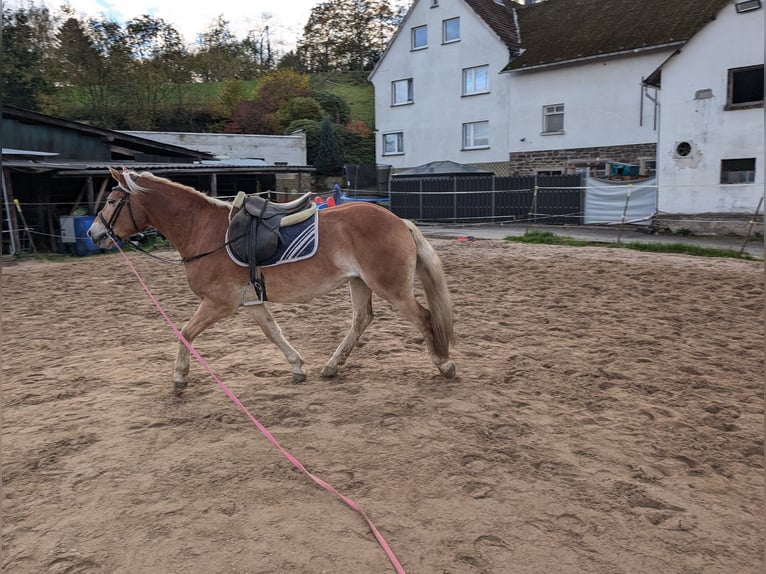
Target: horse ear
[116, 175]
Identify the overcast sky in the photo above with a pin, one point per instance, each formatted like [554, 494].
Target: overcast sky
[285, 18]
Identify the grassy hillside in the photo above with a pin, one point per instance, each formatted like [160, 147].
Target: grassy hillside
[352, 87]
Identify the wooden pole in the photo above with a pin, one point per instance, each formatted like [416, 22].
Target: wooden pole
[750, 227]
[26, 227]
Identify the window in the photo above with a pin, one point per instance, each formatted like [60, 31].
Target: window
[738, 170]
[451, 30]
[553, 119]
[745, 87]
[401, 92]
[393, 143]
[476, 135]
[419, 37]
[476, 80]
[434, 3]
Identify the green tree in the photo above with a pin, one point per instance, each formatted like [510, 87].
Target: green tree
[159, 67]
[28, 36]
[347, 34]
[334, 106]
[328, 160]
[92, 61]
[298, 108]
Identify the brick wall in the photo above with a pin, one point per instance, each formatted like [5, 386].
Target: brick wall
[527, 163]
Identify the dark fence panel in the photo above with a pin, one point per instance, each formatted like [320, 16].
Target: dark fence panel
[465, 199]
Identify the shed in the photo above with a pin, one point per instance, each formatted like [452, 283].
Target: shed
[57, 168]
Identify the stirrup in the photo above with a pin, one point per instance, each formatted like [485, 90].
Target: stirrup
[257, 294]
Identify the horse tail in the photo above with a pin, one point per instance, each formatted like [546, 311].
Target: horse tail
[431, 273]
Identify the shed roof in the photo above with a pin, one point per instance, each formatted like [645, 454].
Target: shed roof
[114, 138]
[560, 31]
[441, 168]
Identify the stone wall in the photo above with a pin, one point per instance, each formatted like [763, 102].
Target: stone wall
[529, 163]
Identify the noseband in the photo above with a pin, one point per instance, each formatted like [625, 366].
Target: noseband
[125, 200]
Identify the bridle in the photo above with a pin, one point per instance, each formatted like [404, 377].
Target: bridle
[124, 200]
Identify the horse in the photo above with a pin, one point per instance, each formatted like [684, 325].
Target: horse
[360, 244]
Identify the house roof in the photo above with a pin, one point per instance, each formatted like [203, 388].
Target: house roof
[499, 16]
[560, 31]
[439, 168]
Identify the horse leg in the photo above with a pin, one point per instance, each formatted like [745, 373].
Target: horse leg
[272, 331]
[421, 318]
[207, 313]
[361, 302]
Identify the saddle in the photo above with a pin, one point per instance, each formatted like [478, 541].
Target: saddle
[255, 231]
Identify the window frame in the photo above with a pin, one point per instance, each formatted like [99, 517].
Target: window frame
[445, 22]
[469, 138]
[730, 88]
[465, 82]
[413, 36]
[399, 135]
[549, 114]
[749, 176]
[410, 96]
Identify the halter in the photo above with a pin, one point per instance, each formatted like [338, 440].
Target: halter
[125, 200]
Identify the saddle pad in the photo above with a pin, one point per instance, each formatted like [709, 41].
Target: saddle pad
[299, 241]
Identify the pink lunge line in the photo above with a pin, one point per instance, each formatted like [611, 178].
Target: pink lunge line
[229, 393]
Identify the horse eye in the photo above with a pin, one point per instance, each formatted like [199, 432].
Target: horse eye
[110, 202]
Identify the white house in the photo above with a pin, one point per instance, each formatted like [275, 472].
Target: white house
[439, 93]
[563, 85]
[710, 153]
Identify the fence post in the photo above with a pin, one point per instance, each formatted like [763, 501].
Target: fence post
[492, 195]
[454, 198]
[533, 208]
[420, 198]
[750, 227]
[624, 211]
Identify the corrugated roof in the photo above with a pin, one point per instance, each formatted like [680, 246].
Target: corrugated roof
[111, 136]
[559, 31]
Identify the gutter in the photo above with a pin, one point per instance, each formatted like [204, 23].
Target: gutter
[596, 57]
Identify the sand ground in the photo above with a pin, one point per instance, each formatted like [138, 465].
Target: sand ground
[607, 418]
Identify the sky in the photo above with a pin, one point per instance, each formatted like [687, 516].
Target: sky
[285, 18]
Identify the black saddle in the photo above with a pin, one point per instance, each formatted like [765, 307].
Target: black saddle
[254, 233]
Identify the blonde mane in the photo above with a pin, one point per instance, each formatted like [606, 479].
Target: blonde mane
[131, 178]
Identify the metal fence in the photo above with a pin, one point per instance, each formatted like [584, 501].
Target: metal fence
[549, 199]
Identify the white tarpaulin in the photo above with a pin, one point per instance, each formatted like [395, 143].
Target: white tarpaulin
[620, 201]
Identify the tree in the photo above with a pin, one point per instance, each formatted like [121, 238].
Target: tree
[328, 160]
[92, 60]
[334, 106]
[27, 40]
[274, 91]
[347, 34]
[159, 69]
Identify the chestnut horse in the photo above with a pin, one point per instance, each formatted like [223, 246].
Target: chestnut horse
[361, 244]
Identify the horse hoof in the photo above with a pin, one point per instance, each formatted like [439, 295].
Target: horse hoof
[179, 386]
[329, 371]
[448, 369]
[298, 378]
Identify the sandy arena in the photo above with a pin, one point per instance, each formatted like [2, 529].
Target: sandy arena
[607, 418]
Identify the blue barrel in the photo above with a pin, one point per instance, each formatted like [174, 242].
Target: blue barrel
[83, 245]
